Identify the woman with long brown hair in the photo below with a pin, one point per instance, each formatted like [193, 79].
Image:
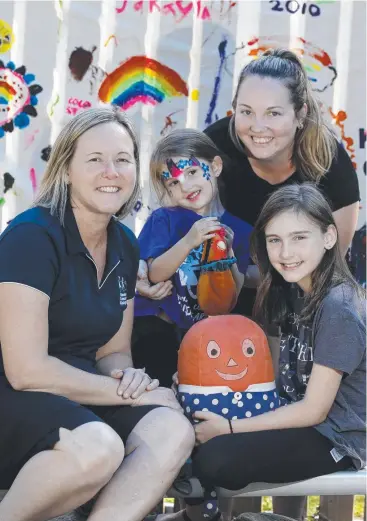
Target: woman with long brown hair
[277, 136]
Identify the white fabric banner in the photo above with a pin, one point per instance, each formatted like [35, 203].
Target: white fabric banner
[169, 64]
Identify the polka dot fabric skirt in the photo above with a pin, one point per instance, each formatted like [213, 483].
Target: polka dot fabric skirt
[230, 405]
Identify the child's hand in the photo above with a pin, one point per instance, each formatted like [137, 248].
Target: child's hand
[201, 231]
[153, 291]
[229, 236]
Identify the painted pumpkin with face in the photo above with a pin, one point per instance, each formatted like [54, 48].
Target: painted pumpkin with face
[216, 290]
[225, 366]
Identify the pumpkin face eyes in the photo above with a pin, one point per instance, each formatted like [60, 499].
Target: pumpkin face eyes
[213, 349]
[248, 348]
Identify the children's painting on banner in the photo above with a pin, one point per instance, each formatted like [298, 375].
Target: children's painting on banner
[168, 64]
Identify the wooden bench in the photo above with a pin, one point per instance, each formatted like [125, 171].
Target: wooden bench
[337, 491]
[346, 483]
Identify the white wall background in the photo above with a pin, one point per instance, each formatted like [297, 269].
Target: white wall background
[205, 43]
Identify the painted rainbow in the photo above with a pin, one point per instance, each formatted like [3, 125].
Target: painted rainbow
[141, 79]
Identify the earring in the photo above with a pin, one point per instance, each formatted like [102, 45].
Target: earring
[300, 125]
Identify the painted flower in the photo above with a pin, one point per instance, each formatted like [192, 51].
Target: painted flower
[18, 97]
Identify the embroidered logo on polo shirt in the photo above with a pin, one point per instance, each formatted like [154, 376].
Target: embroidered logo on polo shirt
[122, 290]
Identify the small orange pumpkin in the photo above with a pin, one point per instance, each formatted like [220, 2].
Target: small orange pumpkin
[216, 290]
[227, 350]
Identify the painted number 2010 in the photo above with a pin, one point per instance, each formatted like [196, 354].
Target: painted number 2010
[292, 6]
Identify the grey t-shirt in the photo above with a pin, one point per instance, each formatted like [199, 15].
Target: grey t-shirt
[336, 339]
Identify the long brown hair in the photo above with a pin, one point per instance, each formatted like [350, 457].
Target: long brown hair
[53, 192]
[272, 299]
[314, 144]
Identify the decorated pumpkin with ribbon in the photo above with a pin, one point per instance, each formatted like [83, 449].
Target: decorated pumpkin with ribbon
[225, 366]
[216, 290]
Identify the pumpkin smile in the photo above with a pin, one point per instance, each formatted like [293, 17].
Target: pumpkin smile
[227, 376]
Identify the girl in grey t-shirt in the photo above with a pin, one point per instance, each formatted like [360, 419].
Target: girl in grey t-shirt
[307, 289]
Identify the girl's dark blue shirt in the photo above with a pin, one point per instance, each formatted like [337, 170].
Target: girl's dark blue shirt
[164, 228]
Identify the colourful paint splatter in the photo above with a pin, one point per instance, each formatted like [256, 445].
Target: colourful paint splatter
[317, 62]
[53, 105]
[45, 153]
[169, 123]
[79, 62]
[141, 79]
[6, 37]
[179, 9]
[75, 105]
[8, 181]
[222, 57]
[338, 120]
[139, 205]
[30, 138]
[111, 37]
[17, 97]
[33, 179]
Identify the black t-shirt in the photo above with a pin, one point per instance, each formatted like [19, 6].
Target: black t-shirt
[245, 193]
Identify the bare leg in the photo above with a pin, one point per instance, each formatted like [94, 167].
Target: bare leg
[56, 481]
[156, 450]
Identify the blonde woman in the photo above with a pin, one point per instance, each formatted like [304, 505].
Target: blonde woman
[76, 418]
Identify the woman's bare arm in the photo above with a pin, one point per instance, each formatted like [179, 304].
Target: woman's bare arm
[29, 367]
[313, 409]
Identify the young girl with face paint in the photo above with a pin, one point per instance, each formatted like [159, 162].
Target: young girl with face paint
[185, 167]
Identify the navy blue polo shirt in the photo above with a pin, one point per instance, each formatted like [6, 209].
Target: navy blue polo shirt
[36, 250]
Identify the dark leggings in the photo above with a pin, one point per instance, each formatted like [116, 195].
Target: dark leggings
[154, 346]
[233, 461]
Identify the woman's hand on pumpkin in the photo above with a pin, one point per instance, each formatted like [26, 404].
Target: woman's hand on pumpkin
[146, 289]
[160, 396]
[133, 382]
[201, 231]
[210, 425]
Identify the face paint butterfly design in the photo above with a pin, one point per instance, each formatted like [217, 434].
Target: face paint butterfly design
[176, 169]
[173, 169]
